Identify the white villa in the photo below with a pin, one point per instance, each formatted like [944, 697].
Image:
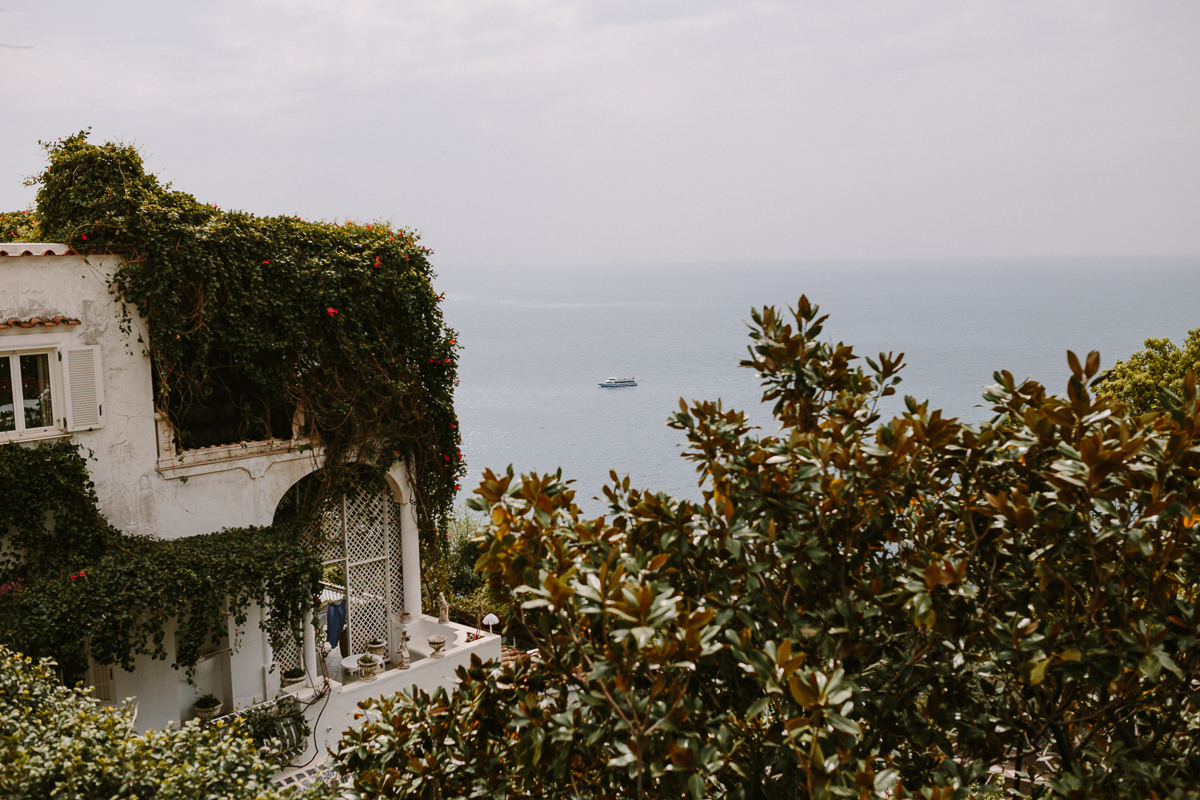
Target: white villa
[74, 373]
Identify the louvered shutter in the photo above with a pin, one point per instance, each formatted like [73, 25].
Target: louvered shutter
[85, 388]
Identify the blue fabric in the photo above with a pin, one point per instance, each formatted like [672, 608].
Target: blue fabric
[336, 620]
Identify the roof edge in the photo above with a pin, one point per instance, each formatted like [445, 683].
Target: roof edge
[18, 249]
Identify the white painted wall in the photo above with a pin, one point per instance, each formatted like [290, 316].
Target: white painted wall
[332, 706]
[143, 488]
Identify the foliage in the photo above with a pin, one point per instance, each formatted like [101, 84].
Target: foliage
[20, 226]
[277, 727]
[57, 743]
[207, 701]
[858, 607]
[85, 585]
[453, 571]
[54, 527]
[1140, 380]
[253, 320]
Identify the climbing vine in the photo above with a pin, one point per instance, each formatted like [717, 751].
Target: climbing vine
[19, 226]
[259, 323]
[82, 585]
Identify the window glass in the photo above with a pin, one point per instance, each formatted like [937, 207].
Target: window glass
[8, 417]
[35, 390]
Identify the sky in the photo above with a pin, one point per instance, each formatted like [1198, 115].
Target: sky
[574, 134]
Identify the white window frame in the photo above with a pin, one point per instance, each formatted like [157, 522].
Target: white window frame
[56, 347]
[57, 409]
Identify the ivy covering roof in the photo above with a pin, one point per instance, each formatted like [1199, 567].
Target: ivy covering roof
[268, 316]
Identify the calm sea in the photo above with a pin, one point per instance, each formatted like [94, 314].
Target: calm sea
[537, 343]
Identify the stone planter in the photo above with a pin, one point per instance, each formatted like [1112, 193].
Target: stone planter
[437, 643]
[286, 681]
[377, 649]
[206, 714]
[367, 670]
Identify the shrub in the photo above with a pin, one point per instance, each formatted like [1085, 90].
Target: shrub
[857, 607]
[58, 743]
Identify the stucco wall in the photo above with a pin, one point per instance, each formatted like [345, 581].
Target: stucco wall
[134, 493]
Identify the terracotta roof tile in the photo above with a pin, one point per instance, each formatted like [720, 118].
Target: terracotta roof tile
[15, 249]
[14, 322]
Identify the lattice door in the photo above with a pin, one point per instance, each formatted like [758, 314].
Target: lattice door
[360, 534]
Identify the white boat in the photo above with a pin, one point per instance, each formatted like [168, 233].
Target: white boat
[618, 383]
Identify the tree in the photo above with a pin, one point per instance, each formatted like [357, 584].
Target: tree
[1139, 381]
[57, 743]
[857, 607]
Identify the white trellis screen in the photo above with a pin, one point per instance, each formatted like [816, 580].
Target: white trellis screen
[360, 533]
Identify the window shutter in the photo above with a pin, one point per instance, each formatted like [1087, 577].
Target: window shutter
[85, 388]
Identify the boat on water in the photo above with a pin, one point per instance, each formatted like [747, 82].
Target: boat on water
[618, 383]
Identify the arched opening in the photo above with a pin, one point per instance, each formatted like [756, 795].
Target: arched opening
[358, 534]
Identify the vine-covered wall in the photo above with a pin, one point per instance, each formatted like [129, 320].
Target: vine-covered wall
[68, 579]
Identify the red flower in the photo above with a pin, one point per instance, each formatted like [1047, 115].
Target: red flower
[85, 237]
[331, 311]
[447, 361]
[266, 262]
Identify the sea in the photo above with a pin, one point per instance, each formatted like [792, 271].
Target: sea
[536, 342]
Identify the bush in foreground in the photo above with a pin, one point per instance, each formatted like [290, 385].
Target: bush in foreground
[858, 608]
[56, 743]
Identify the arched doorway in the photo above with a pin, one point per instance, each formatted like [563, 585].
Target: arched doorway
[358, 534]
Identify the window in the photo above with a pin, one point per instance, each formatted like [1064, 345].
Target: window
[49, 391]
[26, 395]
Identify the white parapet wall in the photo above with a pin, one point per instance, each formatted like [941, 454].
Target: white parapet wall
[332, 707]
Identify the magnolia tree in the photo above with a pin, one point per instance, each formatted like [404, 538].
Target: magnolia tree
[56, 743]
[858, 607]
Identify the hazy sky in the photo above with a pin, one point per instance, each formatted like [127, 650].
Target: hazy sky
[575, 133]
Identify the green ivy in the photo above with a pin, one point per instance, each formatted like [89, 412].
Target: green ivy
[85, 585]
[273, 315]
[20, 226]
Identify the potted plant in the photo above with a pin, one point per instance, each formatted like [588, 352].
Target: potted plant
[292, 676]
[367, 664]
[207, 706]
[377, 647]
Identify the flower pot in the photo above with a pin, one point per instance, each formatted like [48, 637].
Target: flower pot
[291, 681]
[377, 649]
[367, 671]
[206, 714]
[436, 643]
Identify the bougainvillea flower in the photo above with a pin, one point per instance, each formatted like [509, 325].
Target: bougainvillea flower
[85, 237]
[331, 311]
